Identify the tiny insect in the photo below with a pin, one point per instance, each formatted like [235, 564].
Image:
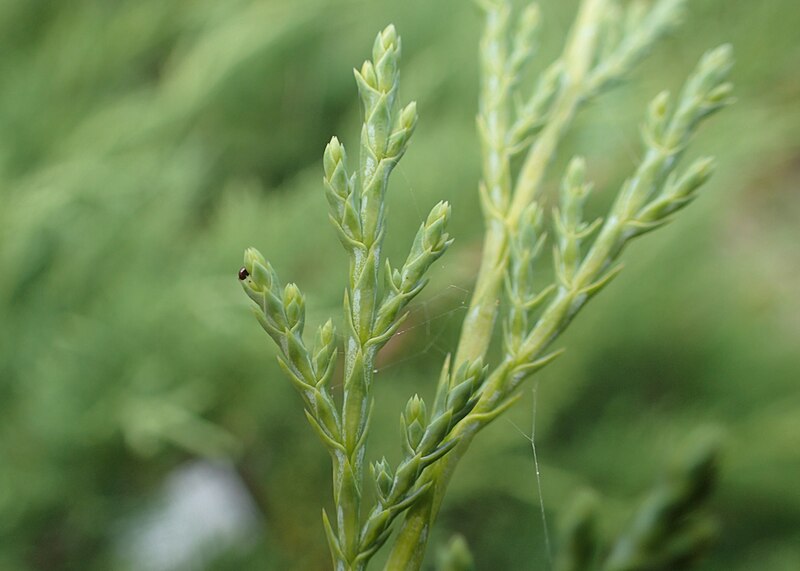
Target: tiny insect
[243, 273]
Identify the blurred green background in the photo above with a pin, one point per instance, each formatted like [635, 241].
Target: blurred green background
[145, 143]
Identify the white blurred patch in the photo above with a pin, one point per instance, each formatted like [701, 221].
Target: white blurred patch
[204, 509]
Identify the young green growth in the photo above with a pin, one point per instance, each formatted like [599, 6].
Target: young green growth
[372, 314]
[627, 44]
[569, 224]
[413, 423]
[644, 202]
[404, 284]
[603, 46]
[522, 299]
[282, 315]
[382, 476]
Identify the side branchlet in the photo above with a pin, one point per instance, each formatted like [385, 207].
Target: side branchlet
[644, 203]
[426, 439]
[526, 246]
[570, 227]
[628, 38]
[402, 285]
[281, 312]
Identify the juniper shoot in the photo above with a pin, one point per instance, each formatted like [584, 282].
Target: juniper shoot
[604, 45]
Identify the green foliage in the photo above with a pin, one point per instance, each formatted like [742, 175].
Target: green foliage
[142, 143]
[372, 317]
[472, 396]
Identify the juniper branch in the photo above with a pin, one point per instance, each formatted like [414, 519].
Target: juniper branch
[470, 394]
[371, 313]
[643, 204]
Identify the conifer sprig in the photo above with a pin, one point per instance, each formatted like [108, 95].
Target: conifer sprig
[643, 204]
[373, 309]
[604, 45]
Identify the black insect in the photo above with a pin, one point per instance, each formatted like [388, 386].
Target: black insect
[243, 273]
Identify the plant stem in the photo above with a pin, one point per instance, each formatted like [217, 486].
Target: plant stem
[359, 364]
[384, 136]
[496, 184]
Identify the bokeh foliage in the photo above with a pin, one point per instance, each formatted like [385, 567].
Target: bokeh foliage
[144, 143]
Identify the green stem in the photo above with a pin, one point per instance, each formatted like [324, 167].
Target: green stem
[358, 374]
[378, 81]
[496, 184]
